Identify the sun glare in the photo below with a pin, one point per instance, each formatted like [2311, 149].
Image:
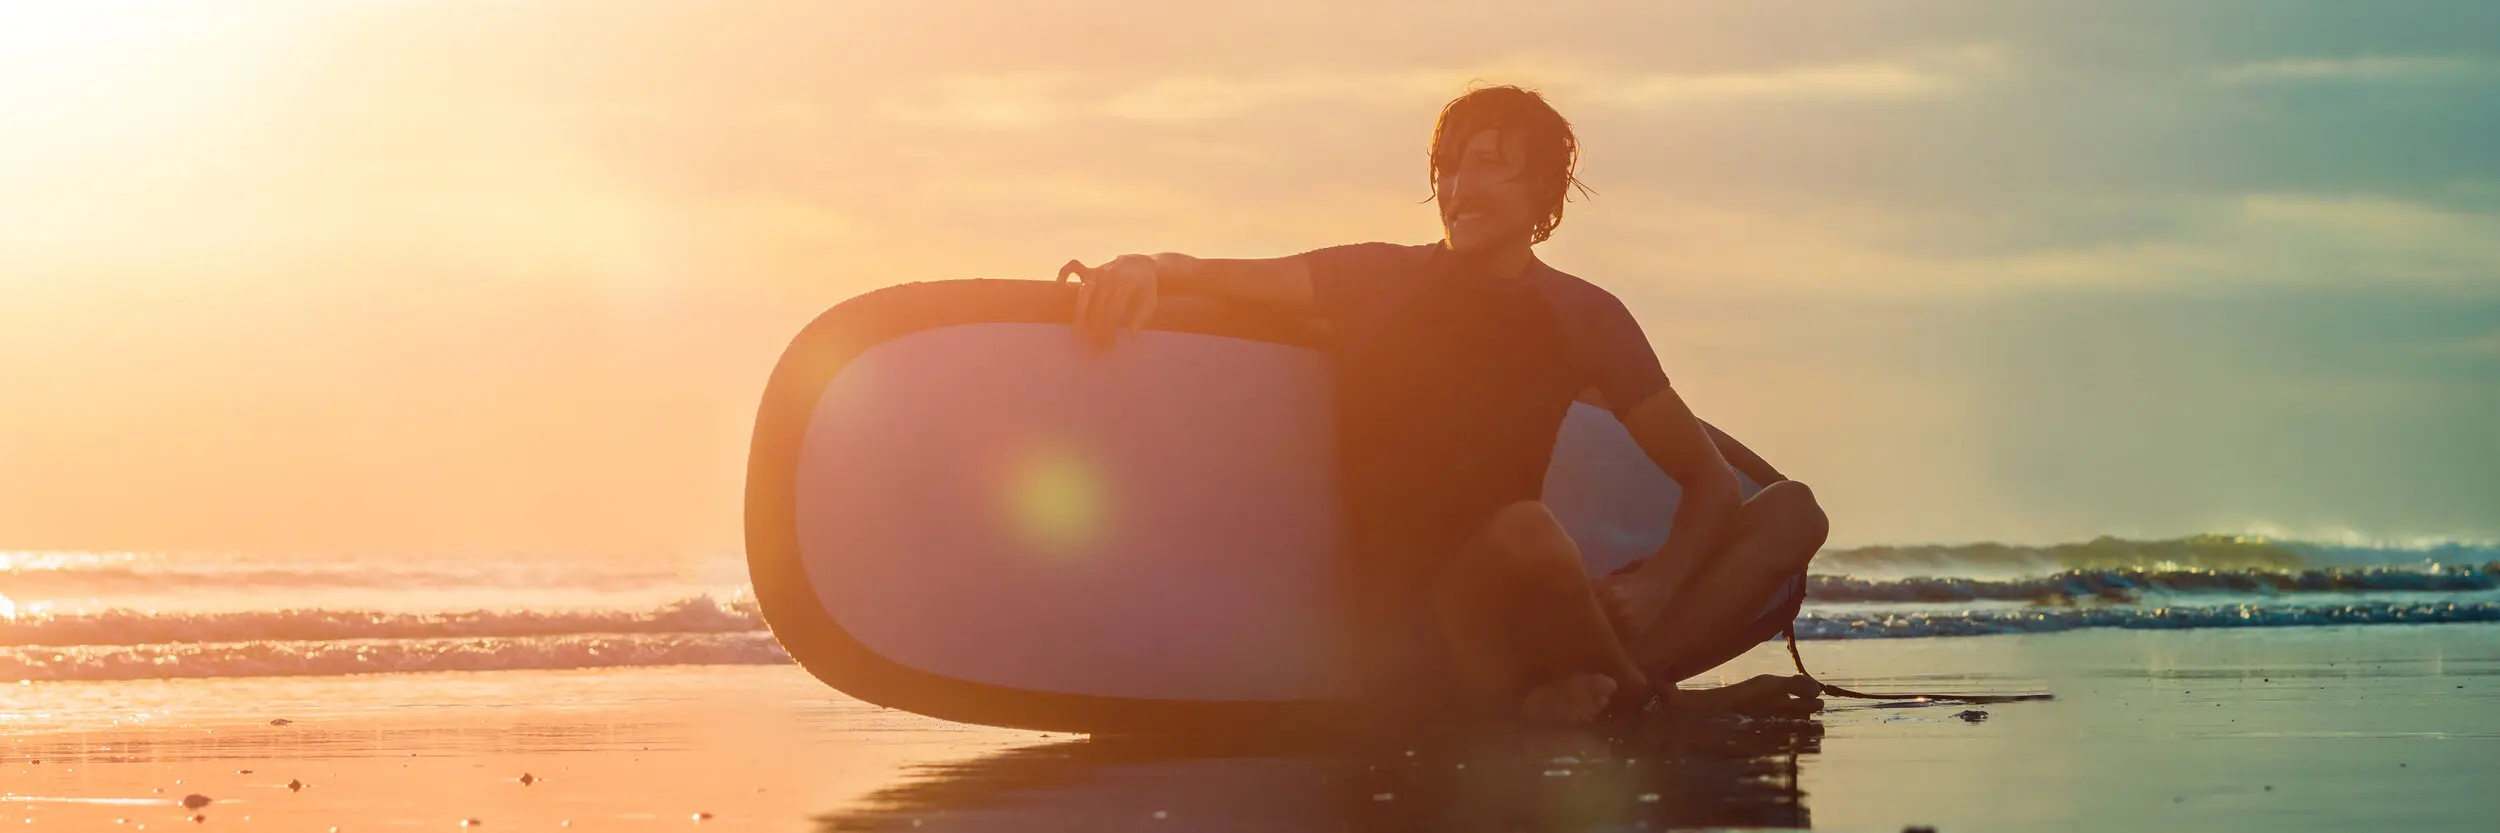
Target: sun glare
[1056, 500]
[75, 73]
[40, 29]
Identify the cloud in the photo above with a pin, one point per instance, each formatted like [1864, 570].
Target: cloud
[1909, 77]
[1669, 243]
[2212, 407]
[2299, 238]
[2404, 69]
[1032, 98]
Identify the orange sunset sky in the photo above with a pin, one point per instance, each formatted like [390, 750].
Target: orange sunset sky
[434, 276]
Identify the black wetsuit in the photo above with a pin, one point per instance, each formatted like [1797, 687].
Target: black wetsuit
[1452, 388]
[1446, 415]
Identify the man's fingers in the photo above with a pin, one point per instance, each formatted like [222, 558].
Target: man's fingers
[1110, 299]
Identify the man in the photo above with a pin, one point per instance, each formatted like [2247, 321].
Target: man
[1456, 363]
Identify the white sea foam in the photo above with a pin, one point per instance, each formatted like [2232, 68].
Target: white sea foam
[701, 614]
[1816, 625]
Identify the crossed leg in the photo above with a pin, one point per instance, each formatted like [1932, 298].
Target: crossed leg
[1775, 534]
[1527, 635]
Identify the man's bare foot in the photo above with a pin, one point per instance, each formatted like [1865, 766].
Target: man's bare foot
[1768, 692]
[1572, 698]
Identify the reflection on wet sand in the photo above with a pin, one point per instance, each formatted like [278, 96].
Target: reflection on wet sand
[305, 744]
[1655, 773]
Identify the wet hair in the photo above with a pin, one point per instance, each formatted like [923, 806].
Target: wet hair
[1553, 153]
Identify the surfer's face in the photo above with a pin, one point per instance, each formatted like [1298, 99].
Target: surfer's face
[1485, 202]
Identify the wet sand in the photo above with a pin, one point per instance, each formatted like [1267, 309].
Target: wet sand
[2278, 729]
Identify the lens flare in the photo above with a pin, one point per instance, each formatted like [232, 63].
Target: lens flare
[1056, 501]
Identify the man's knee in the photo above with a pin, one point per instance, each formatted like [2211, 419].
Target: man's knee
[1789, 510]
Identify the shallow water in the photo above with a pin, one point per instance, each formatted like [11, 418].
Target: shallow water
[2322, 728]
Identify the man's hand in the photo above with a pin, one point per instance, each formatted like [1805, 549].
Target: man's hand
[1115, 297]
[1633, 601]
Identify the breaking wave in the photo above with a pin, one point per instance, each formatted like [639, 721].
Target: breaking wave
[1814, 625]
[2198, 552]
[2127, 584]
[86, 573]
[701, 614]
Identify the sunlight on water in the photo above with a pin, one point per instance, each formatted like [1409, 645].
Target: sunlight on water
[8, 609]
[25, 561]
[1056, 498]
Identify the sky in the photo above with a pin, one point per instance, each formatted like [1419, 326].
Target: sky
[506, 278]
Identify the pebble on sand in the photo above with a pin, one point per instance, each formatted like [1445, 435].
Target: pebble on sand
[199, 818]
[294, 785]
[471, 823]
[1918, 828]
[701, 816]
[1972, 715]
[195, 801]
[281, 722]
[528, 779]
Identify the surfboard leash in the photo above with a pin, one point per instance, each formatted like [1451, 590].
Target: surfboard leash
[1790, 633]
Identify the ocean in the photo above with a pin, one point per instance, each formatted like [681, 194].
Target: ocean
[125, 616]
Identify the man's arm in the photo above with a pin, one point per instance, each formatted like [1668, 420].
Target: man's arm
[1686, 450]
[1743, 459]
[1281, 282]
[1122, 294]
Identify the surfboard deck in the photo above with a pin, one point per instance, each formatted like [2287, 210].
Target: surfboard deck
[956, 508]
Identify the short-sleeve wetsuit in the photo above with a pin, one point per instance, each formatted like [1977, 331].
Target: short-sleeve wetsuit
[1452, 387]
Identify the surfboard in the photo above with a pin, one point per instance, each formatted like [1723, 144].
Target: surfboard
[957, 508]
